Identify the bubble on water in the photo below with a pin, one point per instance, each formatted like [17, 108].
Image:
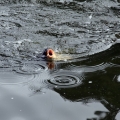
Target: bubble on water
[90, 82]
[118, 79]
[90, 17]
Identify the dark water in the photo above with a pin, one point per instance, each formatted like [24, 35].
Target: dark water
[86, 87]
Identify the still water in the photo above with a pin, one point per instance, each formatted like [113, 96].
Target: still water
[84, 84]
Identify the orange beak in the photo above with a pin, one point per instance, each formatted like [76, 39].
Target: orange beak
[51, 54]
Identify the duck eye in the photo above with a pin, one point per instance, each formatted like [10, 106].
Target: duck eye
[45, 52]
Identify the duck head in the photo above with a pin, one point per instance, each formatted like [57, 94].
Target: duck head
[49, 54]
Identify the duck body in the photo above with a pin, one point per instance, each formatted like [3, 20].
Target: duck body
[49, 54]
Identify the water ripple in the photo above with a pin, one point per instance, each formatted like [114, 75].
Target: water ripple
[31, 68]
[86, 69]
[63, 80]
[14, 78]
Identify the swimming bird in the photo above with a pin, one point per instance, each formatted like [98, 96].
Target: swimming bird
[49, 54]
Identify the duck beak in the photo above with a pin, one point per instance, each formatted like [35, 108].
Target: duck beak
[51, 54]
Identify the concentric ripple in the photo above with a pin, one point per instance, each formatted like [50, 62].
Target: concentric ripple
[64, 81]
[8, 77]
[31, 68]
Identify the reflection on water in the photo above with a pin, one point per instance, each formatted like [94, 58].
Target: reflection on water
[50, 65]
[88, 87]
[83, 83]
[8, 77]
[97, 85]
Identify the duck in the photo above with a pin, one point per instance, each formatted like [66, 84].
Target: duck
[48, 54]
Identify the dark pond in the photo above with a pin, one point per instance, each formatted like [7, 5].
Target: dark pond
[84, 87]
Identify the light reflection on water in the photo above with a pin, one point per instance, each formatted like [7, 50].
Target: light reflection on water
[13, 78]
[85, 83]
[49, 105]
[85, 87]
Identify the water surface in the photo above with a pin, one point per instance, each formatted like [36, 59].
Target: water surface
[84, 87]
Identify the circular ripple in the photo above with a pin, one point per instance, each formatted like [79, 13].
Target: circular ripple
[64, 81]
[30, 68]
[10, 77]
